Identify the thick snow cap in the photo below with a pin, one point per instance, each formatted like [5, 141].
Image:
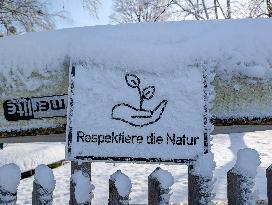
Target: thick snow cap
[122, 183]
[10, 175]
[204, 165]
[164, 177]
[45, 177]
[83, 187]
[233, 47]
[247, 162]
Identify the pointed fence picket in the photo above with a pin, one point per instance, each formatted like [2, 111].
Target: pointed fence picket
[117, 196]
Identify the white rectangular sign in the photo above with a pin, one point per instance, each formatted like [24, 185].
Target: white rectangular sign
[116, 115]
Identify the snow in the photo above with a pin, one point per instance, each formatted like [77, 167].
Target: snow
[209, 96]
[166, 180]
[164, 177]
[83, 187]
[230, 46]
[32, 64]
[247, 162]
[204, 168]
[246, 165]
[44, 176]
[96, 95]
[29, 156]
[256, 71]
[204, 165]
[122, 183]
[10, 175]
[225, 148]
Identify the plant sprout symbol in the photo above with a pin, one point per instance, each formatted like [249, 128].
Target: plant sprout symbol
[138, 117]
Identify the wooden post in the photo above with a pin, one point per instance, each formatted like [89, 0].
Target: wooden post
[234, 189]
[194, 189]
[238, 187]
[8, 190]
[115, 196]
[158, 193]
[85, 167]
[7, 198]
[269, 184]
[41, 196]
[42, 193]
[240, 179]
[199, 188]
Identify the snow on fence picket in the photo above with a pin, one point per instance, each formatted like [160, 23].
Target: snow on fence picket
[241, 177]
[9, 181]
[119, 188]
[43, 185]
[240, 183]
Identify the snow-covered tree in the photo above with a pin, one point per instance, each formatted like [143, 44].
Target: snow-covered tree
[17, 16]
[24, 15]
[92, 6]
[223, 9]
[209, 9]
[127, 11]
[193, 9]
[260, 8]
[130, 11]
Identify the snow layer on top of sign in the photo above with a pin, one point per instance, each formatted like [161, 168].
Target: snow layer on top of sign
[233, 47]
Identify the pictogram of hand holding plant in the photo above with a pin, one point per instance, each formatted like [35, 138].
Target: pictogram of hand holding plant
[145, 94]
[138, 117]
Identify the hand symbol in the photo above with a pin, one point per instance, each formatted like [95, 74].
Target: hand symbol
[134, 116]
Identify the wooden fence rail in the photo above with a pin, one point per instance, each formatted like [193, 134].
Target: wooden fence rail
[159, 186]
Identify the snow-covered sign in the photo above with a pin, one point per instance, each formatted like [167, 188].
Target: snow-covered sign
[125, 115]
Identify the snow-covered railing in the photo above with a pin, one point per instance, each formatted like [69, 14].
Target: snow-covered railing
[235, 110]
[240, 58]
[240, 180]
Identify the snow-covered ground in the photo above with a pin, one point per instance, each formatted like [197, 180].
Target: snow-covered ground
[224, 147]
[29, 155]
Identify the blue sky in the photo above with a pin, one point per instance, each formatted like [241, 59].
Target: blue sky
[79, 17]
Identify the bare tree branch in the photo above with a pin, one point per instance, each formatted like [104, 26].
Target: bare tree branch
[33, 15]
[130, 11]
